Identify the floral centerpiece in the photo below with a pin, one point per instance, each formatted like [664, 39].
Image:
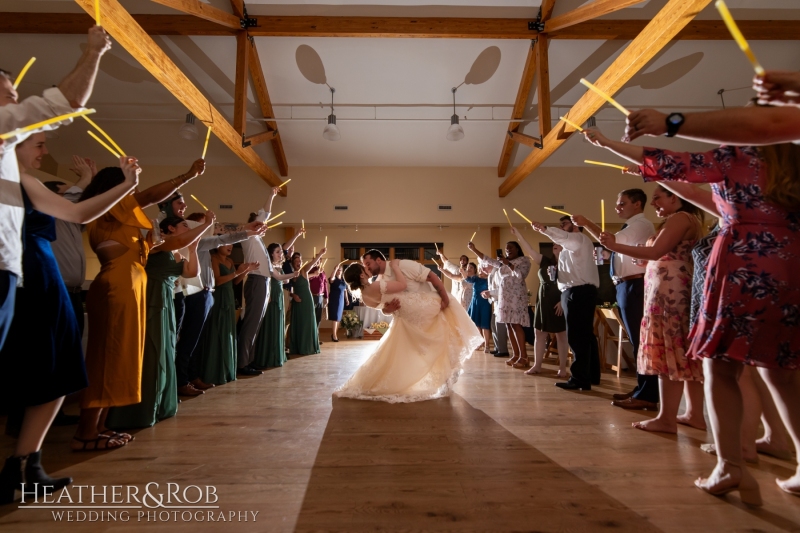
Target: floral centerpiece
[350, 321]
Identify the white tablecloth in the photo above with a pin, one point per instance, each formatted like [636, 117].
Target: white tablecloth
[368, 316]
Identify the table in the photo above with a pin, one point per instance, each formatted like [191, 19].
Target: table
[368, 316]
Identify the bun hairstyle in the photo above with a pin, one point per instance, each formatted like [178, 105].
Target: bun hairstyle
[167, 222]
[352, 276]
[271, 250]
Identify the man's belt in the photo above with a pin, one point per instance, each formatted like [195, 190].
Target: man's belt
[617, 281]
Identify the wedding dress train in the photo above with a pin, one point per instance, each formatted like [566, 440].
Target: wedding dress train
[420, 357]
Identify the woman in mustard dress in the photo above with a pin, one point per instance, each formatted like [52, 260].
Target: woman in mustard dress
[116, 305]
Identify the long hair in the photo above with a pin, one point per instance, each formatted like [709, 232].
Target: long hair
[271, 250]
[783, 174]
[104, 181]
[352, 276]
[687, 207]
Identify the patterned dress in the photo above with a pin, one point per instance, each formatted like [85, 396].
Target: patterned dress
[664, 343]
[700, 254]
[751, 307]
[512, 298]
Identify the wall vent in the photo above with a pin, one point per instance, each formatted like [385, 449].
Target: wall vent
[557, 207]
[445, 207]
[340, 208]
[226, 206]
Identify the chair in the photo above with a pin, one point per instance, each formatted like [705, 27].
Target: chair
[613, 315]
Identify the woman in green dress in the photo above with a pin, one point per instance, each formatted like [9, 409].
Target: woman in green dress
[217, 363]
[159, 386]
[270, 350]
[303, 334]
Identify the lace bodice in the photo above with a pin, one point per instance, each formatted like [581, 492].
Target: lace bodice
[419, 308]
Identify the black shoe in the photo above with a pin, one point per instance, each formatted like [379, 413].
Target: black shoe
[334, 340]
[572, 385]
[30, 470]
[63, 419]
[248, 371]
[493, 352]
[501, 354]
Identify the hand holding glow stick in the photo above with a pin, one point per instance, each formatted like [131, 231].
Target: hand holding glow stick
[523, 216]
[558, 211]
[44, 123]
[23, 72]
[273, 218]
[303, 222]
[604, 164]
[276, 224]
[737, 36]
[284, 183]
[568, 121]
[103, 133]
[606, 97]
[205, 146]
[199, 202]
[473, 237]
[104, 145]
[509, 220]
[602, 215]
[97, 12]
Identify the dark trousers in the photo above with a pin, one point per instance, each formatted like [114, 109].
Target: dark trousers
[76, 298]
[499, 335]
[197, 307]
[319, 299]
[256, 296]
[180, 310]
[579, 305]
[8, 293]
[630, 299]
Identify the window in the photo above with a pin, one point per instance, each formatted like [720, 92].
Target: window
[424, 253]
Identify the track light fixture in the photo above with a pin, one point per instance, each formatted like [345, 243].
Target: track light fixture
[331, 131]
[455, 132]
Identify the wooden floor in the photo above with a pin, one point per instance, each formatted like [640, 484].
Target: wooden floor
[506, 452]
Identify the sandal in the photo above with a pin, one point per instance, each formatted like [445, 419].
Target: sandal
[522, 363]
[111, 434]
[96, 444]
[514, 359]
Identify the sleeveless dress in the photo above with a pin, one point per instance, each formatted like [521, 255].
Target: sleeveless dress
[480, 310]
[42, 359]
[270, 350]
[303, 334]
[751, 296]
[336, 299]
[159, 385]
[544, 316]
[664, 334]
[512, 297]
[421, 355]
[116, 307]
[700, 255]
[217, 358]
[465, 295]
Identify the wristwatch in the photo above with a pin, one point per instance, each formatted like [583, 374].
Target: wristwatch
[674, 123]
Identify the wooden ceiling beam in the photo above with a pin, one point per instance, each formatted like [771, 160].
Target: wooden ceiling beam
[264, 101]
[237, 6]
[525, 84]
[527, 140]
[698, 30]
[203, 11]
[662, 28]
[258, 138]
[586, 12]
[240, 92]
[124, 29]
[546, 9]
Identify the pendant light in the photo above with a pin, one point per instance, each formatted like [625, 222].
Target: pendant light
[455, 132]
[188, 131]
[331, 132]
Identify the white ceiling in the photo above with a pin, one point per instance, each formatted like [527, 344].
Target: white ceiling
[408, 80]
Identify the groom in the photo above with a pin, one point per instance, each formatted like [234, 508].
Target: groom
[417, 277]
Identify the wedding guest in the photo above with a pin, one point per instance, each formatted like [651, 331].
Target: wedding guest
[116, 303]
[270, 350]
[460, 288]
[42, 357]
[480, 310]
[548, 316]
[751, 273]
[318, 282]
[578, 281]
[512, 306]
[288, 286]
[304, 335]
[216, 359]
[628, 277]
[499, 331]
[159, 388]
[339, 297]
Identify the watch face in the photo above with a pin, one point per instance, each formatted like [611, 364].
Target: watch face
[675, 119]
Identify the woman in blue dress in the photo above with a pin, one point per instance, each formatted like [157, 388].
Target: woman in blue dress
[480, 310]
[337, 300]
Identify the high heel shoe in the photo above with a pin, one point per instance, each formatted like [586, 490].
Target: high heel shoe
[749, 492]
[27, 470]
[334, 340]
[522, 363]
[514, 359]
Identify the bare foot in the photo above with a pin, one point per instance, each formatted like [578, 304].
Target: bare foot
[657, 425]
[791, 485]
[748, 457]
[562, 374]
[97, 443]
[697, 422]
[779, 452]
[111, 434]
[726, 478]
[533, 371]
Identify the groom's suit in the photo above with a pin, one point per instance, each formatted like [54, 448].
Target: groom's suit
[415, 273]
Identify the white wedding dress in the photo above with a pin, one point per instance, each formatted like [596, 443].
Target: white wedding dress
[420, 357]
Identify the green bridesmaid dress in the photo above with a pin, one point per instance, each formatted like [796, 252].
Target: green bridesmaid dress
[270, 351]
[218, 341]
[159, 385]
[303, 334]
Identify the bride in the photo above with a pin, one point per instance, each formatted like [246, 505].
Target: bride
[420, 356]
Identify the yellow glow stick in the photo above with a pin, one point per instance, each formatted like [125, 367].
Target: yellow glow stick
[437, 246]
[301, 266]
[326, 241]
[568, 121]
[273, 218]
[44, 123]
[205, 146]
[523, 216]
[104, 134]
[558, 211]
[473, 237]
[606, 97]
[604, 164]
[602, 215]
[199, 202]
[284, 183]
[315, 251]
[104, 145]
[737, 36]
[276, 224]
[509, 220]
[97, 12]
[23, 72]
[303, 222]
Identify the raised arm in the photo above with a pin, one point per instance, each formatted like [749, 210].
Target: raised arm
[778, 87]
[85, 169]
[267, 207]
[162, 191]
[77, 85]
[632, 153]
[291, 241]
[535, 256]
[50, 203]
[434, 280]
[583, 222]
[400, 283]
[692, 193]
[668, 238]
[191, 264]
[187, 238]
[311, 264]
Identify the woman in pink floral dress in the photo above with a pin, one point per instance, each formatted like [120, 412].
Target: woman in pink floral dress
[663, 350]
[751, 308]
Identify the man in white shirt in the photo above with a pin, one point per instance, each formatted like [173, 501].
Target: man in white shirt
[629, 280]
[499, 331]
[72, 93]
[578, 281]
